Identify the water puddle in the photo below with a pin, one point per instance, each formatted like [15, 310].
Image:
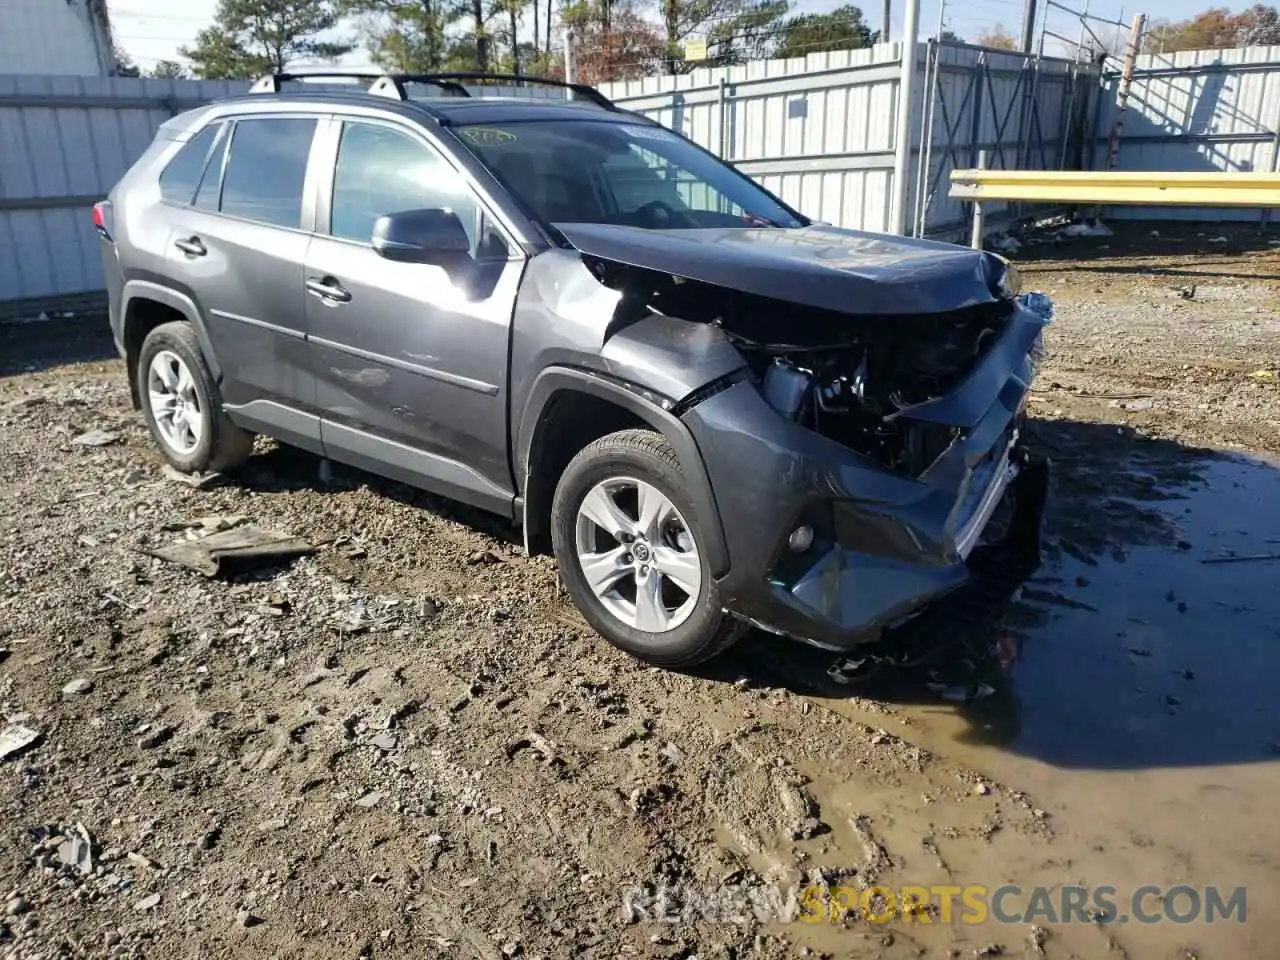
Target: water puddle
[1130, 694]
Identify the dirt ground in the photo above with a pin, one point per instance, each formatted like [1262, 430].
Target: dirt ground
[409, 744]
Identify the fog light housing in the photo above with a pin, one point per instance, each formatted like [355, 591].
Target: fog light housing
[801, 538]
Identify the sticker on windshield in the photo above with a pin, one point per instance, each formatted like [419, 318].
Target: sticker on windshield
[650, 133]
[488, 136]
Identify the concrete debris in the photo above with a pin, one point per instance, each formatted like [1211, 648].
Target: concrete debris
[370, 800]
[15, 738]
[76, 850]
[1095, 229]
[197, 481]
[156, 736]
[96, 438]
[385, 741]
[233, 551]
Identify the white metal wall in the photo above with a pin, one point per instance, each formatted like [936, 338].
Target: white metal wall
[53, 36]
[817, 130]
[66, 141]
[1197, 110]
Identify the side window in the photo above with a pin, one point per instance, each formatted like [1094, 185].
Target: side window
[266, 170]
[179, 180]
[211, 183]
[382, 171]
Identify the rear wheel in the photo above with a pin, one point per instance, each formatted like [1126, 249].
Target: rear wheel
[182, 405]
[631, 552]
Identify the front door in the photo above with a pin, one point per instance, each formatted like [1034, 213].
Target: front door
[410, 359]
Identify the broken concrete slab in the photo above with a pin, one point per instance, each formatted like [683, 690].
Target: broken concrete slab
[15, 738]
[197, 481]
[96, 438]
[76, 849]
[233, 551]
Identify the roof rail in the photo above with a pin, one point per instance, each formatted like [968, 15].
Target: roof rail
[392, 84]
[272, 81]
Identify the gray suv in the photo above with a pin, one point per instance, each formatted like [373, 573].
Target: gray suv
[713, 410]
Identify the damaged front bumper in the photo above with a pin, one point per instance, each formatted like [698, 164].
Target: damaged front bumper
[874, 547]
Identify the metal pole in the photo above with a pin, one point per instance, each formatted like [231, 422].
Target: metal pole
[570, 60]
[930, 58]
[1122, 92]
[902, 133]
[888, 21]
[1080, 44]
[1029, 26]
[975, 238]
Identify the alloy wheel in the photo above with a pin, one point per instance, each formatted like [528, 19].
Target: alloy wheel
[638, 554]
[175, 403]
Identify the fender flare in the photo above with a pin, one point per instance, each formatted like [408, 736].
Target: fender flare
[147, 290]
[649, 408]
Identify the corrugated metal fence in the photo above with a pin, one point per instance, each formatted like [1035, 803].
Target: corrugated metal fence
[67, 140]
[818, 130]
[1197, 110]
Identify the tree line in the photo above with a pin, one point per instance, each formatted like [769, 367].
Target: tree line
[614, 39]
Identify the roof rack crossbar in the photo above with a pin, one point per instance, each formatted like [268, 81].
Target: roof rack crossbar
[396, 81]
[271, 82]
[392, 85]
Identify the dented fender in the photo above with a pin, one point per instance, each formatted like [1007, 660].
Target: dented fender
[566, 317]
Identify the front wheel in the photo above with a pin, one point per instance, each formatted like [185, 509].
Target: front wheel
[631, 552]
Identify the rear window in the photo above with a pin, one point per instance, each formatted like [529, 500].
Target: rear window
[266, 170]
[180, 178]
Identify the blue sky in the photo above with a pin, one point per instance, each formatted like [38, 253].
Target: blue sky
[152, 30]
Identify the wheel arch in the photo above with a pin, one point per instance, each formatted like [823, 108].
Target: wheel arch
[568, 408]
[145, 305]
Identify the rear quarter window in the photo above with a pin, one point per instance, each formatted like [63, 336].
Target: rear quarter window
[180, 178]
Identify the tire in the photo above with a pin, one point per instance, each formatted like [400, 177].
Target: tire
[204, 439]
[692, 626]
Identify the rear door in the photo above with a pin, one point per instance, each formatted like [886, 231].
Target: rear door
[410, 359]
[240, 245]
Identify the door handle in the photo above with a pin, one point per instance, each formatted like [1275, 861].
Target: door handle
[327, 288]
[192, 247]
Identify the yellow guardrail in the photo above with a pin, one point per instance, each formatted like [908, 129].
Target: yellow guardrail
[1107, 189]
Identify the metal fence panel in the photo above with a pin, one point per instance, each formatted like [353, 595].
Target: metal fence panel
[67, 141]
[816, 130]
[1197, 110]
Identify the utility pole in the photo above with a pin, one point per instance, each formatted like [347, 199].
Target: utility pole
[570, 60]
[1029, 26]
[888, 18]
[1122, 91]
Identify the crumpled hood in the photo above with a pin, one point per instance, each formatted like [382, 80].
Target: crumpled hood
[818, 266]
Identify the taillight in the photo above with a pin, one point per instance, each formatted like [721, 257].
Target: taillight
[103, 220]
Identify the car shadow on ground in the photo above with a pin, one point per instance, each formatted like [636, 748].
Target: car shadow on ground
[1126, 649]
[28, 347]
[277, 468]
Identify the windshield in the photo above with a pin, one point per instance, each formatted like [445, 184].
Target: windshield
[583, 171]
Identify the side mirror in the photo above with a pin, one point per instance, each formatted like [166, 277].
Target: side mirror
[421, 236]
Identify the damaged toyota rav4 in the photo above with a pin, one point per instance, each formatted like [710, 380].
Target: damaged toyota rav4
[712, 410]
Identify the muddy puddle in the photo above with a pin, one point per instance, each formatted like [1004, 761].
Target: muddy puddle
[1128, 697]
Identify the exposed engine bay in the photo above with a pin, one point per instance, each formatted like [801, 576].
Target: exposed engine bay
[844, 376]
